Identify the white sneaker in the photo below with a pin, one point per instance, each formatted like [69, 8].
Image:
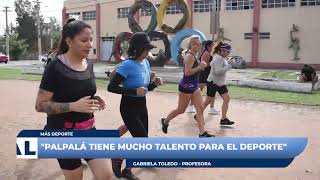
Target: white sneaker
[190, 109]
[214, 111]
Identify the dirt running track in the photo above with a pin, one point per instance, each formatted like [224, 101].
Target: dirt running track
[253, 119]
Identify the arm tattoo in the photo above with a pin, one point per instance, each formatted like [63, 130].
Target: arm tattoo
[54, 108]
[46, 105]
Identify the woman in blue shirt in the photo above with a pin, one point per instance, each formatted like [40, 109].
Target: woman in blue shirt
[132, 80]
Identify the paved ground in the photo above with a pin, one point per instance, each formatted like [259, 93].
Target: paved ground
[253, 119]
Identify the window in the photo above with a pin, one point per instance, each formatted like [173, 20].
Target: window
[262, 35]
[172, 9]
[145, 12]
[75, 15]
[310, 2]
[277, 3]
[89, 15]
[204, 6]
[94, 51]
[123, 12]
[239, 4]
[247, 35]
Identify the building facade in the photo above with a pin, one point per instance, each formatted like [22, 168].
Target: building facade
[266, 33]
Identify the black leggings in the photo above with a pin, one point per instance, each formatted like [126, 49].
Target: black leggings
[134, 113]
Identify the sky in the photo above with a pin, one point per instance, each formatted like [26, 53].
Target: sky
[49, 8]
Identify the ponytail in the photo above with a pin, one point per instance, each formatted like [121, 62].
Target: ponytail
[217, 47]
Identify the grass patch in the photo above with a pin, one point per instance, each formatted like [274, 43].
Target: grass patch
[10, 73]
[275, 96]
[282, 75]
[261, 95]
[235, 91]
[102, 83]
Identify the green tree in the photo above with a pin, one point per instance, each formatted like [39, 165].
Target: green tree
[56, 32]
[17, 47]
[26, 23]
[2, 44]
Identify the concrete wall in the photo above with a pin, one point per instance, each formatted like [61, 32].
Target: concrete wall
[234, 29]
[277, 21]
[111, 25]
[201, 22]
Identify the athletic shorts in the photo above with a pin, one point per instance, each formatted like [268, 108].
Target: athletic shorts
[188, 89]
[213, 88]
[70, 164]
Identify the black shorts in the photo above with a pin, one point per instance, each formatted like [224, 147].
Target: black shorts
[70, 164]
[213, 88]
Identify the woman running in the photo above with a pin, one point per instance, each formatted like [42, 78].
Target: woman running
[206, 57]
[134, 76]
[217, 79]
[189, 87]
[67, 94]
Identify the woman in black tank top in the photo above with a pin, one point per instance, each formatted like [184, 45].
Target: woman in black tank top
[189, 89]
[207, 57]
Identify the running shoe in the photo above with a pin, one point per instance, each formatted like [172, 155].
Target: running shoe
[206, 134]
[214, 111]
[126, 173]
[164, 126]
[190, 109]
[226, 121]
[116, 167]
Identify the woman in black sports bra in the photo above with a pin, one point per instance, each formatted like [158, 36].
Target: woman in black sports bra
[207, 57]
